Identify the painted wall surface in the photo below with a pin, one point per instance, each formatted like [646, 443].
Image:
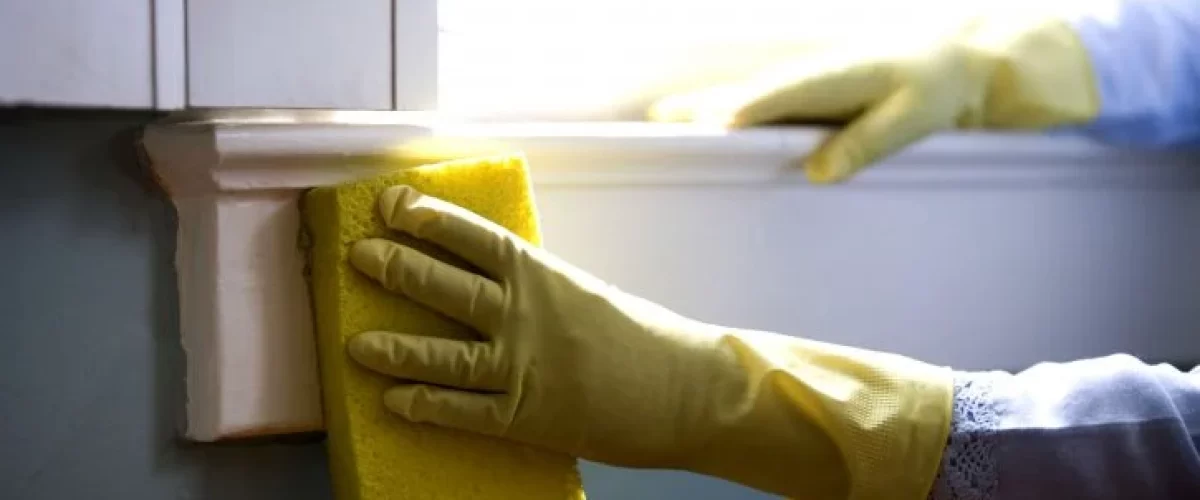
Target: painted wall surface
[91, 368]
[974, 277]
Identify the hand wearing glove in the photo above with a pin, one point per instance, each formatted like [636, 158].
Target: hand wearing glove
[570, 363]
[1003, 70]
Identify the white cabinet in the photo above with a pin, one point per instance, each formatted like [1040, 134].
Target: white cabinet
[174, 54]
[91, 53]
[290, 54]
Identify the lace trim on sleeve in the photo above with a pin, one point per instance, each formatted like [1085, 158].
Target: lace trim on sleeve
[968, 469]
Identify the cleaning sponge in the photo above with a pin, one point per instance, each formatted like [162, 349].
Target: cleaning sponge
[374, 454]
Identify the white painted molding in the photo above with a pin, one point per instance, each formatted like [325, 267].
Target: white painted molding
[235, 179]
[634, 153]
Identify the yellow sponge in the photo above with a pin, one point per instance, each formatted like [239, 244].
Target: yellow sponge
[375, 454]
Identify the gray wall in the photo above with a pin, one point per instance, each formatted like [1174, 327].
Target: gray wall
[90, 365]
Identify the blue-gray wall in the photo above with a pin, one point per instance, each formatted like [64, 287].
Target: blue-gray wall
[90, 363]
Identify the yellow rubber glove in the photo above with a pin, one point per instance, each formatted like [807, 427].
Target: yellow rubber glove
[1008, 69]
[570, 363]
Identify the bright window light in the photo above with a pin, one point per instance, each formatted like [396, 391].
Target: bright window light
[607, 59]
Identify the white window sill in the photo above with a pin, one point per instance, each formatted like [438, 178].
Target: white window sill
[641, 152]
[235, 179]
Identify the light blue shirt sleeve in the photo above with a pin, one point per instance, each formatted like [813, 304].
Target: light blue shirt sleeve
[1104, 428]
[1146, 58]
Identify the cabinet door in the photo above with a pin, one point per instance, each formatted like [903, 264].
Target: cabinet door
[290, 54]
[76, 53]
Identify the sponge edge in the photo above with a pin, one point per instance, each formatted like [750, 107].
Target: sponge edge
[374, 454]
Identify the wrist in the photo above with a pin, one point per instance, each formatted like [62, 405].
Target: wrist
[1037, 72]
[850, 419]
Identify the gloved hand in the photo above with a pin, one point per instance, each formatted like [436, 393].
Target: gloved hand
[1009, 69]
[570, 363]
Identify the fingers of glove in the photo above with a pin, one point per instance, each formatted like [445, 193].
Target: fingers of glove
[831, 88]
[463, 296]
[472, 412]
[462, 364]
[461, 231]
[895, 123]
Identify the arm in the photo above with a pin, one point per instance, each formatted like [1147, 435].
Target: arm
[1146, 59]
[569, 363]
[1123, 71]
[1104, 428]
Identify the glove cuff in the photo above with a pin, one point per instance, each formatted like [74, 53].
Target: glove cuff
[1038, 73]
[815, 420]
